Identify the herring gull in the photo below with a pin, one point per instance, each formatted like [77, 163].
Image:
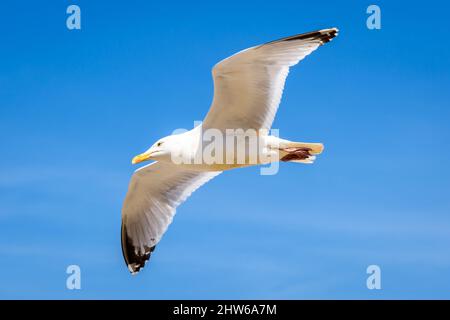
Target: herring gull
[247, 91]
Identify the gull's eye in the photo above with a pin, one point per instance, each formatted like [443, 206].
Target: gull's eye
[159, 144]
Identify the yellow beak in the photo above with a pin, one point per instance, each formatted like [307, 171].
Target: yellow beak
[140, 158]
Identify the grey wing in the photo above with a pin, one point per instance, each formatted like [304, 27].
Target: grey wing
[154, 193]
[248, 85]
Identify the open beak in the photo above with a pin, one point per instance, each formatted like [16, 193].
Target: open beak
[140, 158]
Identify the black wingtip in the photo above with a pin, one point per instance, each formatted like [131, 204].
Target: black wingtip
[324, 35]
[134, 259]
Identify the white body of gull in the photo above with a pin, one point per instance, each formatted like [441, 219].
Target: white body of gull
[247, 91]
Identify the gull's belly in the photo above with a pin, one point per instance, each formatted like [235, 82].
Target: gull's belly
[212, 167]
[221, 155]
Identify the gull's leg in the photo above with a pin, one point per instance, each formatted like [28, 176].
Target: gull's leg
[291, 151]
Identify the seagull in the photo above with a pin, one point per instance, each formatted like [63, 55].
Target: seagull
[247, 91]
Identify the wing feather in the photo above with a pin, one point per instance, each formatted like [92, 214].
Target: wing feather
[154, 193]
[248, 85]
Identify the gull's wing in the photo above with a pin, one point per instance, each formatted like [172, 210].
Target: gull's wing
[248, 85]
[154, 193]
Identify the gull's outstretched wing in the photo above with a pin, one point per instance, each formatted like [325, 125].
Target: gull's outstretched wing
[154, 193]
[248, 85]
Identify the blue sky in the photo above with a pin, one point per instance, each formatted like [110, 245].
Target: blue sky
[75, 106]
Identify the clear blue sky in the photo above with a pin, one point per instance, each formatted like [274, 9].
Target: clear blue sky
[75, 106]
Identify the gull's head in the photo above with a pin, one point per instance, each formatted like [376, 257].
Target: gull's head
[160, 150]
